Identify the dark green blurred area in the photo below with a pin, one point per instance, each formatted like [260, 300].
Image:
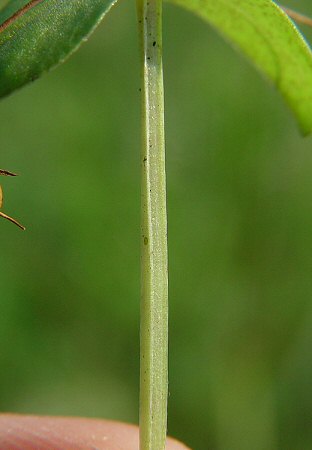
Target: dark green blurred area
[240, 242]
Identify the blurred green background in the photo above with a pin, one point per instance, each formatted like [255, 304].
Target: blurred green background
[240, 241]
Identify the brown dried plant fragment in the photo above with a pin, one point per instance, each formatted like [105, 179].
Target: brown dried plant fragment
[297, 17]
[7, 173]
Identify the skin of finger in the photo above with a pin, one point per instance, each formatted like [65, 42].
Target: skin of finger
[20, 432]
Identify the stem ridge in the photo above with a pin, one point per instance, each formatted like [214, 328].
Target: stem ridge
[154, 272]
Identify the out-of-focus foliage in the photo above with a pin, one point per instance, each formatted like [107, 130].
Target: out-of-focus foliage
[240, 189]
[37, 35]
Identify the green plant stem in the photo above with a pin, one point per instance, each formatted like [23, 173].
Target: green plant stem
[154, 300]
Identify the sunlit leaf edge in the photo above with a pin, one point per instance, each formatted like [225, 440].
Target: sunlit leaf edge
[269, 38]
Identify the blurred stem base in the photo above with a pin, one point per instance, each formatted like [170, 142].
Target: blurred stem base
[154, 272]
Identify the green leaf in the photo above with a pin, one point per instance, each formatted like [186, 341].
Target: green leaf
[271, 41]
[37, 35]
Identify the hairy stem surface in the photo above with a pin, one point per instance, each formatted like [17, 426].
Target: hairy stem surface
[154, 300]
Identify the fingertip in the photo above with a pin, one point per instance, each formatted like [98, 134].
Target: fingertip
[18, 432]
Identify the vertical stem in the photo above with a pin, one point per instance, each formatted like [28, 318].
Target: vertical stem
[154, 300]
